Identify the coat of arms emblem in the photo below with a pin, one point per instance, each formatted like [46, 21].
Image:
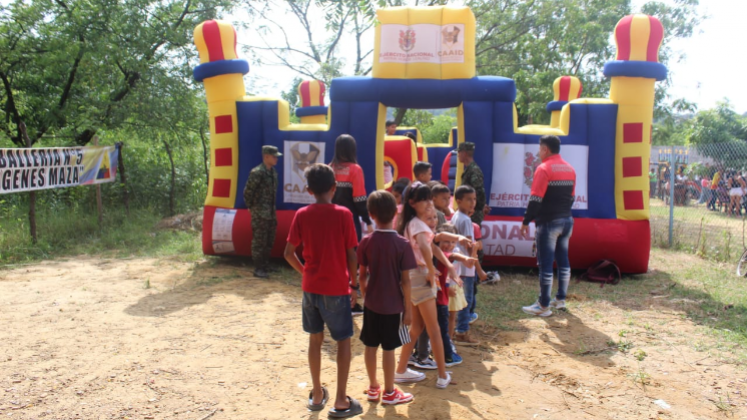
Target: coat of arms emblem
[304, 155]
[450, 38]
[531, 162]
[407, 40]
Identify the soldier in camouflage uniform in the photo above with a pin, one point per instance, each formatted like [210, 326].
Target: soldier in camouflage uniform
[259, 195]
[473, 177]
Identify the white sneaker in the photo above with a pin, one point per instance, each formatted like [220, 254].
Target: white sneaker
[557, 304]
[536, 309]
[409, 376]
[442, 383]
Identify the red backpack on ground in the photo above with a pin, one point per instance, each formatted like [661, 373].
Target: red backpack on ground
[603, 271]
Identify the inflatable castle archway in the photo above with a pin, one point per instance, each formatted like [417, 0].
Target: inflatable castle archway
[425, 59]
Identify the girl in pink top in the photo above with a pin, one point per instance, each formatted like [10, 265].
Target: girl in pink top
[423, 281]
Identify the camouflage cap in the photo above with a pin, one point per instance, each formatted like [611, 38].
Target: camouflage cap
[466, 147]
[271, 150]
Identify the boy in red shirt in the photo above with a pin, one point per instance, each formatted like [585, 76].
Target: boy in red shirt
[328, 236]
[388, 257]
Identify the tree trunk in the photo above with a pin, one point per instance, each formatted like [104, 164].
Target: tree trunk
[32, 194]
[123, 179]
[99, 204]
[205, 156]
[399, 115]
[172, 189]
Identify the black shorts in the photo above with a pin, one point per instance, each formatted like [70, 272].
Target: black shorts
[386, 331]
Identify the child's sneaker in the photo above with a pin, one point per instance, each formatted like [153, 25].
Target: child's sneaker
[357, 310]
[536, 309]
[557, 304]
[373, 393]
[412, 360]
[455, 360]
[396, 397]
[442, 383]
[409, 376]
[473, 317]
[428, 364]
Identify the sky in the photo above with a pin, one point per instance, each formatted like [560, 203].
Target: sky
[710, 71]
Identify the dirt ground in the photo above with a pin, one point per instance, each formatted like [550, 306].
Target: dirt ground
[89, 338]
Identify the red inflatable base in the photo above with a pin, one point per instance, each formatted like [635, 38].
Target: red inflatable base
[626, 242]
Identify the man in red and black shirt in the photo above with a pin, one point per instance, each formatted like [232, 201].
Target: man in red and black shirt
[552, 196]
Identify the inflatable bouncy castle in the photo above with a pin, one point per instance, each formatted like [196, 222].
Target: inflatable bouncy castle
[424, 58]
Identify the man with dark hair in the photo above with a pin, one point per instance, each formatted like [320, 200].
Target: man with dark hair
[259, 196]
[423, 172]
[391, 128]
[552, 196]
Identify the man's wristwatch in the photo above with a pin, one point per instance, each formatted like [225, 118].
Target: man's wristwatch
[356, 287]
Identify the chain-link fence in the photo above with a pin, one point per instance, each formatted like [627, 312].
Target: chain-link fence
[699, 198]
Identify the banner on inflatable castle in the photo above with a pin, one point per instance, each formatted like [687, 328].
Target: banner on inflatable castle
[423, 43]
[514, 168]
[502, 238]
[223, 231]
[48, 168]
[299, 155]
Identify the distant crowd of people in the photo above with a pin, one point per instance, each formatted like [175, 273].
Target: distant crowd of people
[413, 254]
[721, 190]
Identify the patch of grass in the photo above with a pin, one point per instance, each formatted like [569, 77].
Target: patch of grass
[640, 355]
[705, 292]
[76, 232]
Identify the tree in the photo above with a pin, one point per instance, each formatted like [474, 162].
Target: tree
[312, 49]
[720, 134]
[536, 41]
[72, 68]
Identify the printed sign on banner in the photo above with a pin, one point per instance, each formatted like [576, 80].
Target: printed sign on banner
[47, 168]
[299, 155]
[503, 239]
[422, 43]
[513, 172]
[223, 231]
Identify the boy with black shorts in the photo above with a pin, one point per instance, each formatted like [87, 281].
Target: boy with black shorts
[387, 257]
[328, 236]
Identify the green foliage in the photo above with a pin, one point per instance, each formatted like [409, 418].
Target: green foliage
[434, 129]
[535, 42]
[438, 131]
[74, 230]
[720, 134]
[73, 68]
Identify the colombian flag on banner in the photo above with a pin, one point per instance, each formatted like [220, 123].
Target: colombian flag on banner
[99, 165]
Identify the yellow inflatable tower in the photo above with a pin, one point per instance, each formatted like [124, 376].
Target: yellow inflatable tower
[565, 89]
[221, 72]
[633, 75]
[311, 109]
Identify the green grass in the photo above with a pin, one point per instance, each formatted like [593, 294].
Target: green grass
[705, 292]
[68, 233]
[707, 233]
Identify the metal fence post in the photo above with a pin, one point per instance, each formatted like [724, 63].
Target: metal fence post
[672, 169]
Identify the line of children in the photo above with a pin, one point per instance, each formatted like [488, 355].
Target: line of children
[421, 275]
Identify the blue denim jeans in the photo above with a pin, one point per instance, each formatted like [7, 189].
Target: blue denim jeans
[443, 324]
[463, 316]
[334, 311]
[552, 246]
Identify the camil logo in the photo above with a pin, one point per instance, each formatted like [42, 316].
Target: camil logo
[407, 40]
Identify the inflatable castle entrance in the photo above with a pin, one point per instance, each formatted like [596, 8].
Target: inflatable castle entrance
[424, 58]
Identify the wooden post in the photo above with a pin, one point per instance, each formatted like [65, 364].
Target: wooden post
[123, 178]
[99, 204]
[32, 194]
